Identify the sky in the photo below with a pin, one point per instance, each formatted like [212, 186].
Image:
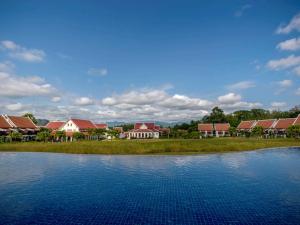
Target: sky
[147, 60]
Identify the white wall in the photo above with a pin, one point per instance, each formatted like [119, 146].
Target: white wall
[70, 126]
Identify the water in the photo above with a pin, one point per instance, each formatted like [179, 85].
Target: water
[259, 187]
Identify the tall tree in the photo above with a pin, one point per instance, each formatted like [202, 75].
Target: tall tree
[32, 117]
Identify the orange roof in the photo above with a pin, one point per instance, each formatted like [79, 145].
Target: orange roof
[246, 124]
[222, 126]
[101, 125]
[84, 124]
[54, 125]
[4, 124]
[265, 123]
[297, 121]
[284, 123]
[205, 127]
[22, 122]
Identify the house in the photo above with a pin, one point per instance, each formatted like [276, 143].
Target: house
[144, 131]
[77, 125]
[297, 121]
[246, 126]
[221, 129]
[281, 126]
[55, 125]
[267, 125]
[103, 126]
[206, 129]
[21, 124]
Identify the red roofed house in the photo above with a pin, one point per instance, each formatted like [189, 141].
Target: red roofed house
[103, 126]
[55, 125]
[77, 125]
[206, 129]
[246, 125]
[4, 125]
[221, 129]
[297, 121]
[282, 125]
[144, 130]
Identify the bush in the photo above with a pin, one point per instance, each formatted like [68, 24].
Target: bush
[78, 136]
[257, 131]
[294, 131]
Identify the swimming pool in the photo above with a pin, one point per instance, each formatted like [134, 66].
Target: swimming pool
[257, 187]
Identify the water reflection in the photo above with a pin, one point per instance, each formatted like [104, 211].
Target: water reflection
[253, 187]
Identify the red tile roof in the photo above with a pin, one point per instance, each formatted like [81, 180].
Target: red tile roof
[4, 124]
[149, 125]
[222, 126]
[205, 127]
[55, 125]
[297, 121]
[284, 123]
[246, 124]
[22, 122]
[84, 124]
[266, 124]
[101, 125]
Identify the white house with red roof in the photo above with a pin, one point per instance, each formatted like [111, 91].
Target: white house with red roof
[144, 131]
[77, 125]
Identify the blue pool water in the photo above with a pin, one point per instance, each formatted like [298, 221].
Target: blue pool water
[259, 187]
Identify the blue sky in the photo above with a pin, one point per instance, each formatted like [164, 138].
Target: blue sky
[147, 60]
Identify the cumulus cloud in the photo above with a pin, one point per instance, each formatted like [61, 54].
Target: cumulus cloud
[22, 53]
[284, 63]
[15, 107]
[241, 85]
[242, 10]
[277, 105]
[98, 72]
[83, 101]
[56, 99]
[294, 24]
[285, 83]
[229, 98]
[290, 45]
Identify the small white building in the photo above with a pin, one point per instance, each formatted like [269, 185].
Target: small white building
[144, 131]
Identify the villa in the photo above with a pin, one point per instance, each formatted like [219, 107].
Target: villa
[144, 131]
[246, 126]
[210, 129]
[103, 126]
[24, 125]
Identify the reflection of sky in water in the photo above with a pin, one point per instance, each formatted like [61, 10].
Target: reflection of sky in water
[258, 186]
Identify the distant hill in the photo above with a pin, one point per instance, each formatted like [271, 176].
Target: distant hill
[42, 122]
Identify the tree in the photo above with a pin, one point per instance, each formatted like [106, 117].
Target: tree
[78, 136]
[60, 135]
[31, 116]
[43, 135]
[113, 133]
[232, 131]
[15, 136]
[216, 116]
[99, 133]
[257, 131]
[294, 131]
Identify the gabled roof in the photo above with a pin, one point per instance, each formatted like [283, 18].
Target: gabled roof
[284, 123]
[205, 127]
[22, 122]
[246, 124]
[84, 124]
[297, 121]
[148, 125]
[266, 124]
[222, 126]
[101, 125]
[4, 124]
[55, 125]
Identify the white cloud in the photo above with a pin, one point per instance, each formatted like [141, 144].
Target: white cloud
[285, 83]
[14, 107]
[56, 99]
[297, 91]
[229, 98]
[291, 44]
[294, 24]
[277, 105]
[22, 53]
[284, 63]
[83, 101]
[297, 70]
[242, 10]
[98, 71]
[241, 85]
[15, 86]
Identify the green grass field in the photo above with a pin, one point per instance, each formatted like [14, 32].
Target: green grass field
[162, 146]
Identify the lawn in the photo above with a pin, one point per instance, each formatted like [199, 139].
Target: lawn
[162, 146]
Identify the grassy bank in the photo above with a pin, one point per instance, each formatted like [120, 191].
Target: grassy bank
[170, 146]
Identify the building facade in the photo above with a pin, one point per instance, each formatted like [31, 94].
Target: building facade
[144, 131]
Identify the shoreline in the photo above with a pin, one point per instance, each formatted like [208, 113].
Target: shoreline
[153, 147]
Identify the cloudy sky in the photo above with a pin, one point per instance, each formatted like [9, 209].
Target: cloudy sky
[147, 60]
